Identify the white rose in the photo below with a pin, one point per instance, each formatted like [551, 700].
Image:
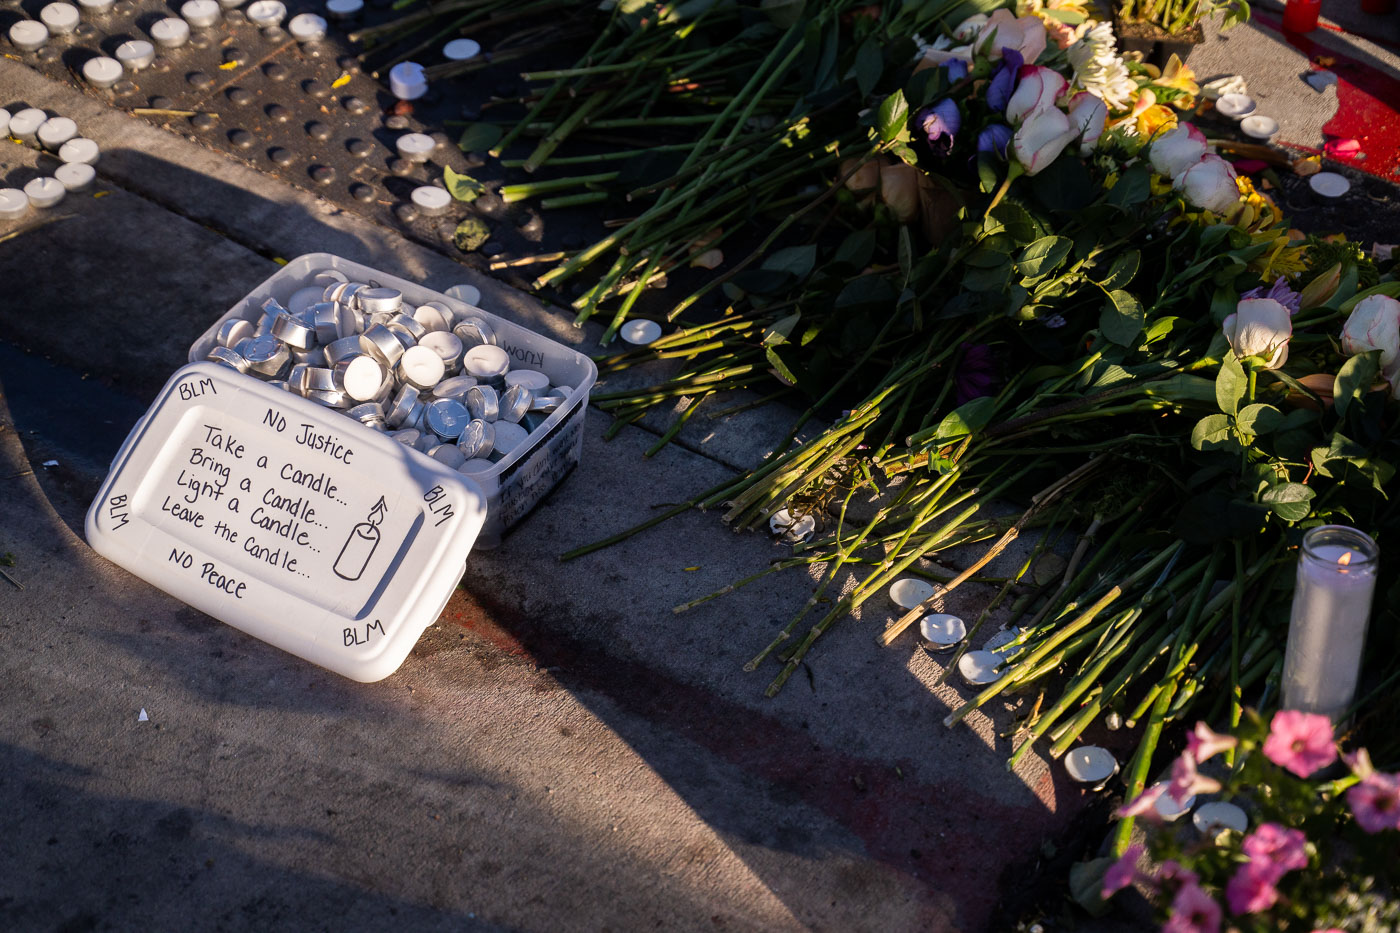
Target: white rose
[1209, 184]
[1177, 150]
[1374, 324]
[1260, 327]
[1043, 136]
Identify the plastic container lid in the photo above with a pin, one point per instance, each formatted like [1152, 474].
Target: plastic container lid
[287, 521]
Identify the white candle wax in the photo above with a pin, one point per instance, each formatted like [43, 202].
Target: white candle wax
[1331, 608]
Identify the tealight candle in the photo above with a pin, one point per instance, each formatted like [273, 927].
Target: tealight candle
[1329, 184]
[1218, 815]
[910, 592]
[170, 32]
[201, 14]
[783, 524]
[416, 147]
[979, 667]
[307, 27]
[998, 643]
[136, 54]
[942, 631]
[468, 294]
[1091, 764]
[1167, 807]
[407, 82]
[79, 149]
[4, 121]
[460, 50]
[102, 71]
[343, 11]
[96, 7]
[14, 204]
[431, 200]
[1259, 126]
[60, 18]
[1331, 609]
[25, 124]
[475, 466]
[1235, 106]
[266, 13]
[44, 192]
[75, 176]
[56, 131]
[640, 332]
[29, 35]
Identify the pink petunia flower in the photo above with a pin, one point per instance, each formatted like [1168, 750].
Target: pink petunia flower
[1193, 911]
[1122, 873]
[1144, 804]
[1251, 889]
[1186, 780]
[1376, 801]
[1204, 743]
[1276, 849]
[1172, 871]
[1300, 742]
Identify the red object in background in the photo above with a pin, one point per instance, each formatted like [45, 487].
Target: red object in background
[1301, 15]
[1378, 6]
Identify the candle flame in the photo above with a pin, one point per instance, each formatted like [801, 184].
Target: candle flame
[1345, 559]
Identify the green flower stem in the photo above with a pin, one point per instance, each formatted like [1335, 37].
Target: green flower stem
[574, 200]
[677, 425]
[591, 159]
[592, 70]
[740, 584]
[561, 132]
[513, 193]
[1137, 772]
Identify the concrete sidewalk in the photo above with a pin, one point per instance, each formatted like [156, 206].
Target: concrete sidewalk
[560, 751]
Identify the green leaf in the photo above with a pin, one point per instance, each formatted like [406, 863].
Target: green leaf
[987, 280]
[1065, 185]
[1385, 288]
[462, 187]
[471, 234]
[798, 260]
[1230, 385]
[779, 366]
[906, 252]
[1134, 187]
[894, 114]
[870, 64]
[479, 137]
[1355, 379]
[1160, 328]
[780, 330]
[1258, 418]
[1044, 255]
[1010, 216]
[1289, 501]
[1213, 432]
[856, 250]
[1121, 272]
[968, 418]
[1122, 318]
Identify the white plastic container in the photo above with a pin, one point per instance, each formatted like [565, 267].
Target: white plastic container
[286, 520]
[512, 486]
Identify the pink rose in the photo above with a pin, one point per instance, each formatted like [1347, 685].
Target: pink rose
[1035, 93]
[1042, 138]
[1374, 324]
[1088, 113]
[1209, 184]
[1300, 742]
[1177, 150]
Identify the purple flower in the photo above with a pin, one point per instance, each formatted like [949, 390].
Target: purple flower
[956, 69]
[940, 123]
[1280, 292]
[995, 138]
[976, 373]
[1004, 79]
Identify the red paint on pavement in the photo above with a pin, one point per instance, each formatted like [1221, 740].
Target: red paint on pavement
[1367, 99]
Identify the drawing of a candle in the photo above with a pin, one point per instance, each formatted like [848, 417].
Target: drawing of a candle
[359, 547]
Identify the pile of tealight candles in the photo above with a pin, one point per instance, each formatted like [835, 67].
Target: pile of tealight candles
[59, 136]
[431, 378]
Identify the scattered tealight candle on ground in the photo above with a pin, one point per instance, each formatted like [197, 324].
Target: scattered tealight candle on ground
[407, 81]
[56, 131]
[44, 192]
[1235, 106]
[96, 7]
[60, 18]
[307, 27]
[1000, 640]
[342, 11]
[14, 204]
[24, 125]
[415, 147]
[640, 332]
[910, 592]
[170, 32]
[104, 72]
[1171, 811]
[4, 121]
[201, 14]
[782, 523]
[29, 35]
[979, 667]
[1213, 817]
[469, 294]
[136, 54]
[942, 631]
[1329, 184]
[1259, 126]
[79, 149]
[431, 200]
[1091, 764]
[460, 50]
[266, 13]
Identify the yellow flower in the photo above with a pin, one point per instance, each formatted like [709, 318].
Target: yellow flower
[1179, 75]
[1155, 119]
